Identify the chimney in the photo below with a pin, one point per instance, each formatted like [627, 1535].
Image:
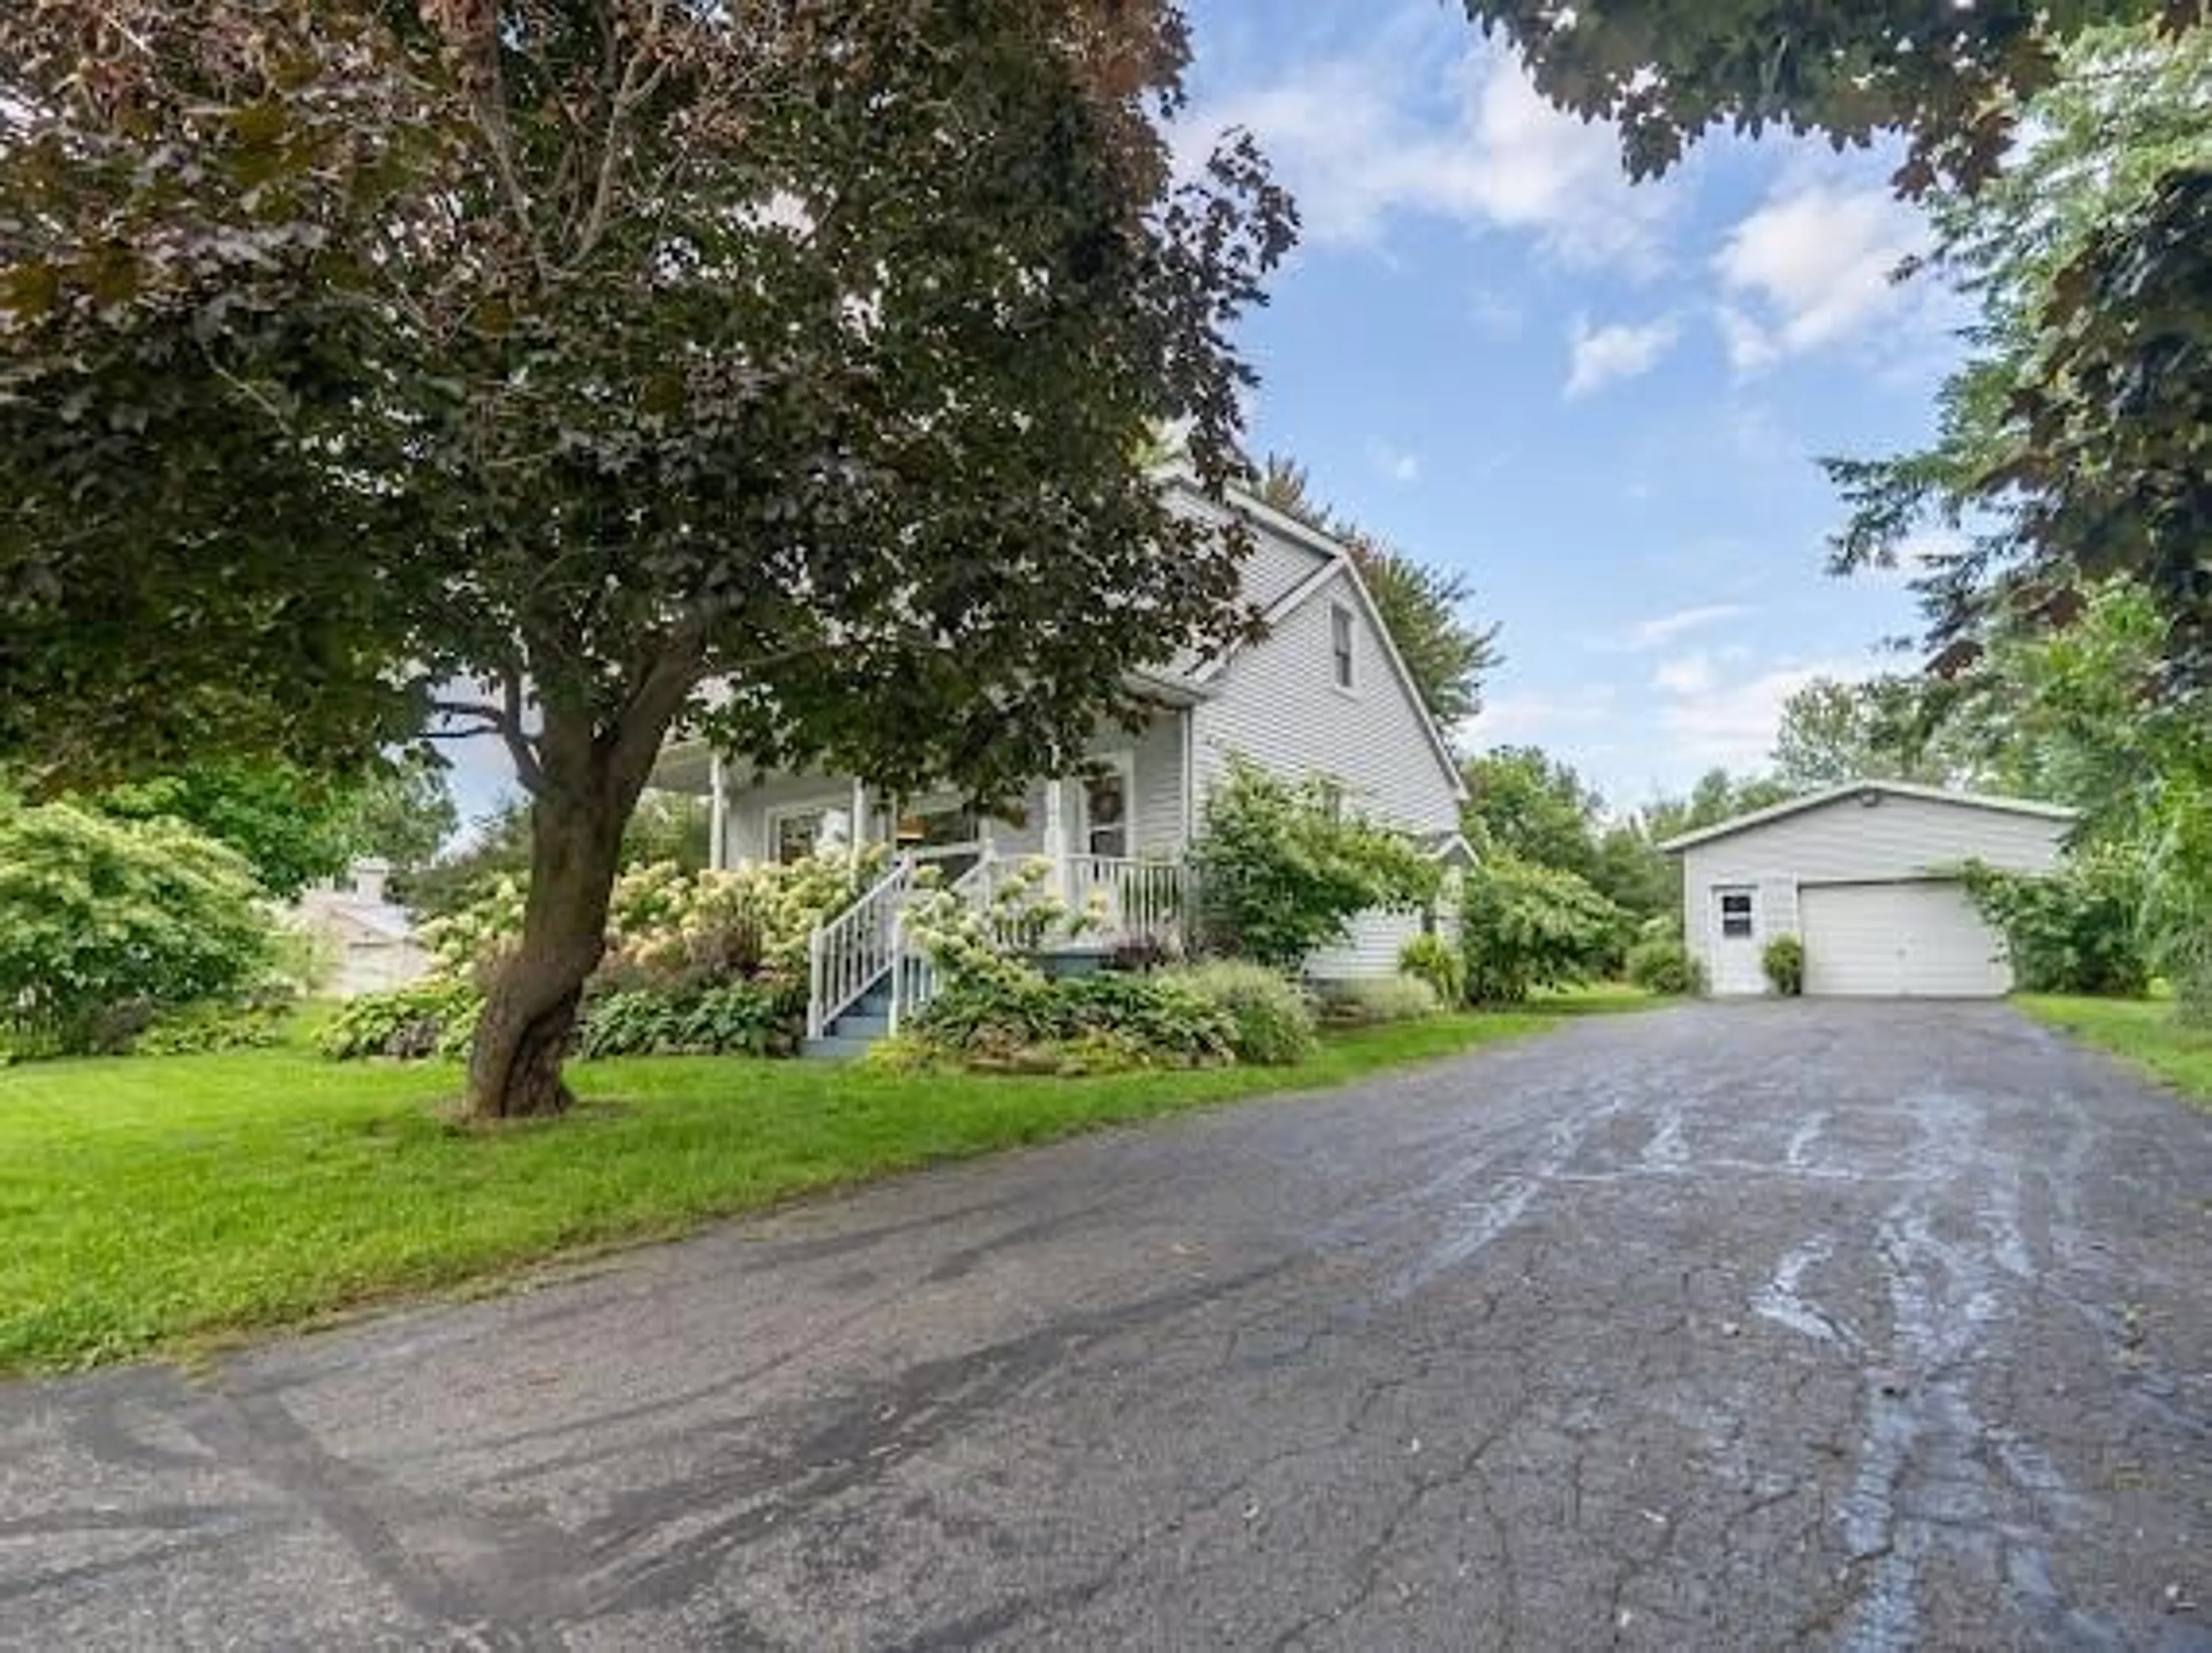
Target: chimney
[369, 878]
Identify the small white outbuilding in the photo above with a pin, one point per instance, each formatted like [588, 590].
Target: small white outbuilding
[370, 941]
[1865, 875]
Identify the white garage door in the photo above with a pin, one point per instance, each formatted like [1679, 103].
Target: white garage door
[1898, 940]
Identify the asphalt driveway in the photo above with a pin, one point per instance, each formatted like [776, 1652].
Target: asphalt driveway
[1829, 1325]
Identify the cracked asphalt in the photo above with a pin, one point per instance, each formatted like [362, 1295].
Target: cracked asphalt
[1828, 1325]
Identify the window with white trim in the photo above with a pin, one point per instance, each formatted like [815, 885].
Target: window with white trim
[1106, 812]
[1737, 922]
[1339, 644]
[795, 834]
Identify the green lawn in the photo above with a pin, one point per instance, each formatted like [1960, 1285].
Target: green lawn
[147, 1203]
[2141, 1031]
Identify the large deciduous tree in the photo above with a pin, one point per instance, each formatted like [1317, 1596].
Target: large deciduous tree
[1949, 77]
[1887, 728]
[1523, 802]
[292, 826]
[587, 352]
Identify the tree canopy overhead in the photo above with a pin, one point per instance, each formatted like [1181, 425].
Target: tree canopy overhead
[591, 352]
[2075, 442]
[1950, 77]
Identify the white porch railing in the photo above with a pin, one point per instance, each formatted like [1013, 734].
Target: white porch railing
[849, 954]
[866, 943]
[914, 973]
[1134, 899]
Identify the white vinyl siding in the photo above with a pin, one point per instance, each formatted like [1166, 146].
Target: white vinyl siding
[1277, 704]
[751, 807]
[1371, 950]
[1155, 813]
[1277, 565]
[1900, 839]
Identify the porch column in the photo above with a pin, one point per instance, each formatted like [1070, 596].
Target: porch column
[1055, 833]
[718, 814]
[856, 834]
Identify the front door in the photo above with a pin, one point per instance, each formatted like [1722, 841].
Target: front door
[1736, 931]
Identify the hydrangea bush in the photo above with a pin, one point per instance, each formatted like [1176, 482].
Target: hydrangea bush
[992, 944]
[709, 963]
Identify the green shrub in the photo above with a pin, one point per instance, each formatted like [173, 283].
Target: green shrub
[429, 1018]
[1283, 868]
[1783, 961]
[1433, 959]
[906, 1053]
[1273, 1019]
[1377, 1001]
[1663, 965]
[2073, 930]
[105, 924]
[2177, 897]
[1525, 927]
[206, 1029]
[1027, 1024]
[740, 1019]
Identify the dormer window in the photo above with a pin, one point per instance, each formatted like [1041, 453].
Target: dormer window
[1339, 643]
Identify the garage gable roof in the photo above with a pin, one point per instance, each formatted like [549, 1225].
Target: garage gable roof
[1859, 789]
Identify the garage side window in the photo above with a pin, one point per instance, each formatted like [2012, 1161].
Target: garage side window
[1735, 915]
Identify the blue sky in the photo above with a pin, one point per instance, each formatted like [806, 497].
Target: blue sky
[1603, 401]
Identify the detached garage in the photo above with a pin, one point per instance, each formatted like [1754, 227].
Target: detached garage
[1859, 874]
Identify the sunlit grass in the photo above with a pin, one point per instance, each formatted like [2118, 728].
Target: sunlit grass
[2143, 1032]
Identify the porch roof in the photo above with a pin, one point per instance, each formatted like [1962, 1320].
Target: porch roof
[685, 764]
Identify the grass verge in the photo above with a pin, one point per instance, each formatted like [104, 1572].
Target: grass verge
[149, 1202]
[2142, 1033]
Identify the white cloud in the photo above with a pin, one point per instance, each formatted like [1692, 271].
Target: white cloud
[1530, 717]
[1691, 674]
[1395, 463]
[1390, 131]
[1812, 268]
[1616, 351]
[1733, 725]
[1663, 629]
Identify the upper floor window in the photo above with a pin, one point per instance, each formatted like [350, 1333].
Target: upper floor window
[1339, 643]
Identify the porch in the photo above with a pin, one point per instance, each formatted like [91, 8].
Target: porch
[1133, 803]
[1113, 836]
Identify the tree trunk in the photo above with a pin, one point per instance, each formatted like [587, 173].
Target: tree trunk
[530, 1005]
[583, 780]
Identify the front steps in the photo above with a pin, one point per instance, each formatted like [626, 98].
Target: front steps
[851, 1033]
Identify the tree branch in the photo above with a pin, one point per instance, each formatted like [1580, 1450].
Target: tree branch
[636, 86]
[504, 720]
